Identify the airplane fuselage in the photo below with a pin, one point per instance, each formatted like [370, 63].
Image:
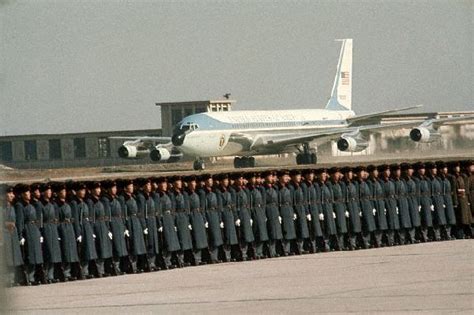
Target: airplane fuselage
[232, 133]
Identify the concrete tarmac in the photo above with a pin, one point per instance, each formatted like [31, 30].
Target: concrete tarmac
[425, 278]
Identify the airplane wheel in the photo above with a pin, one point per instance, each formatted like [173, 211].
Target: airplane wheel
[199, 165]
[251, 161]
[299, 159]
[237, 162]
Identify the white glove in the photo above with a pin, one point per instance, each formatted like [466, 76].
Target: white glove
[347, 214]
[397, 209]
[360, 214]
[308, 216]
[175, 229]
[22, 241]
[79, 239]
[222, 225]
[385, 211]
[432, 207]
[110, 235]
[41, 239]
[94, 236]
[321, 217]
[206, 225]
[374, 211]
[190, 227]
[160, 229]
[251, 222]
[236, 222]
[294, 216]
[145, 231]
[419, 208]
[59, 238]
[334, 215]
[280, 219]
[444, 206]
[126, 233]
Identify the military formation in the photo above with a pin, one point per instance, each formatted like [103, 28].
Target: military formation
[80, 230]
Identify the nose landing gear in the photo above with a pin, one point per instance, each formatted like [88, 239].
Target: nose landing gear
[199, 165]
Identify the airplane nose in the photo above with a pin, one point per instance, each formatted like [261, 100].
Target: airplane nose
[178, 139]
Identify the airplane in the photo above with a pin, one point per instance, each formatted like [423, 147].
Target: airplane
[246, 133]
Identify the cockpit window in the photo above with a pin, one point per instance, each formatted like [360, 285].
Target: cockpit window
[189, 126]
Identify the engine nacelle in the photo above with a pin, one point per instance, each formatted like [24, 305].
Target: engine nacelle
[160, 154]
[423, 134]
[351, 144]
[128, 151]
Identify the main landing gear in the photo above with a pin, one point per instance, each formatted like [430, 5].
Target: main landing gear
[306, 156]
[245, 161]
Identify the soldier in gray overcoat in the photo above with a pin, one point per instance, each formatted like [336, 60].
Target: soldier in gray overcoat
[406, 232]
[14, 260]
[301, 209]
[272, 212]
[197, 219]
[259, 217]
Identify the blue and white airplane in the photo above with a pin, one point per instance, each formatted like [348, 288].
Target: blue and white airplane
[244, 134]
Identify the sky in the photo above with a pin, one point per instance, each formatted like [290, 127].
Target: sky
[96, 66]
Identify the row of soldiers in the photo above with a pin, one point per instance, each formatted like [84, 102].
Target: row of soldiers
[68, 231]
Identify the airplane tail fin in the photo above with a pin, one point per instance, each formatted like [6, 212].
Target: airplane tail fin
[341, 94]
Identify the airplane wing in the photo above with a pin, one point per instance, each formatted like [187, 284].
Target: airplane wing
[359, 118]
[283, 140]
[144, 139]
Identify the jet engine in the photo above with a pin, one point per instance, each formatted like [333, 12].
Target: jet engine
[132, 150]
[424, 134]
[161, 154]
[352, 143]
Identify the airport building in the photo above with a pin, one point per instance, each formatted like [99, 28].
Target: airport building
[93, 149]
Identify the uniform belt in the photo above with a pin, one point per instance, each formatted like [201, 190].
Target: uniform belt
[54, 221]
[104, 218]
[196, 209]
[212, 208]
[285, 204]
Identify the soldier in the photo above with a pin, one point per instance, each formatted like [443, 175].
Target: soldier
[14, 259]
[229, 217]
[328, 215]
[368, 209]
[447, 194]
[84, 230]
[351, 191]
[401, 196]
[147, 215]
[197, 219]
[461, 201]
[181, 206]
[339, 204]
[469, 180]
[167, 223]
[28, 220]
[272, 213]
[119, 231]
[426, 205]
[136, 241]
[213, 213]
[312, 193]
[287, 212]
[259, 217]
[101, 230]
[301, 210]
[244, 217]
[390, 203]
[413, 195]
[378, 204]
[49, 223]
[437, 201]
[66, 233]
